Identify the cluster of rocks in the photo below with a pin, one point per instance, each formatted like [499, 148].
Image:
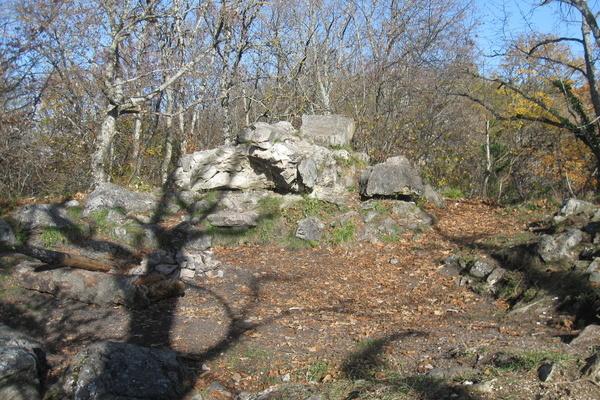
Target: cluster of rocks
[184, 265]
[102, 370]
[568, 241]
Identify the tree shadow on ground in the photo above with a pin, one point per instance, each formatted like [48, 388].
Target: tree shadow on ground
[365, 363]
[153, 325]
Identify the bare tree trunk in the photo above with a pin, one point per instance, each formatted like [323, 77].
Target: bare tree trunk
[136, 156]
[488, 154]
[103, 143]
[164, 168]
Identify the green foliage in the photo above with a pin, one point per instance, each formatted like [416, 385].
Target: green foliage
[453, 193]
[307, 207]
[52, 236]
[344, 234]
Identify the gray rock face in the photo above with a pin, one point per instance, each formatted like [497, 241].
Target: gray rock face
[224, 167]
[328, 130]
[481, 268]
[7, 236]
[559, 248]
[409, 215]
[109, 195]
[21, 362]
[310, 228]
[96, 287]
[228, 218]
[119, 371]
[394, 177]
[34, 216]
[573, 207]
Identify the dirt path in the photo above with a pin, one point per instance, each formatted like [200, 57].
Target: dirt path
[374, 321]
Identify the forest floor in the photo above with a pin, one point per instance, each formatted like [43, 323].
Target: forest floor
[365, 321]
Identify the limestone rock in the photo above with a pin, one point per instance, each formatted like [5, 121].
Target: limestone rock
[560, 247]
[266, 157]
[394, 177]
[34, 216]
[310, 228]
[573, 207]
[481, 268]
[592, 368]
[328, 130]
[108, 196]
[120, 371]
[7, 236]
[231, 219]
[186, 236]
[96, 287]
[22, 361]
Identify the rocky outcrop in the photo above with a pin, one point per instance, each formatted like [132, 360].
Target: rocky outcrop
[96, 287]
[565, 255]
[108, 196]
[274, 157]
[22, 362]
[110, 370]
[328, 130]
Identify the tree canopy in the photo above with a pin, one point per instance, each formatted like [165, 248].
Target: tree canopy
[93, 91]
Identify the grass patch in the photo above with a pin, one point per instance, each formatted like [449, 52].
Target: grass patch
[317, 371]
[344, 234]
[529, 361]
[453, 193]
[309, 207]
[52, 236]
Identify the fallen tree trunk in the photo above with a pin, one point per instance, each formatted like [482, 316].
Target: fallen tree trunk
[61, 259]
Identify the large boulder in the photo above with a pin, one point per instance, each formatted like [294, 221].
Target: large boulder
[120, 371]
[108, 196]
[7, 236]
[328, 130]
[22, 361]
[559, 248]
[96, 287]
[33, 216]
[394, 177]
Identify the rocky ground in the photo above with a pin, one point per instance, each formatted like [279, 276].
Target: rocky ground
[363, 321]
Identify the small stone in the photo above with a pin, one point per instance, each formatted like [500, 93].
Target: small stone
[496, 276]
[394, 261]
[187, 275]
[545, 371]
[217, 387]
[481, 268]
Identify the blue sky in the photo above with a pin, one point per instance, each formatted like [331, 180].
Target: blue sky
[506, 19]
